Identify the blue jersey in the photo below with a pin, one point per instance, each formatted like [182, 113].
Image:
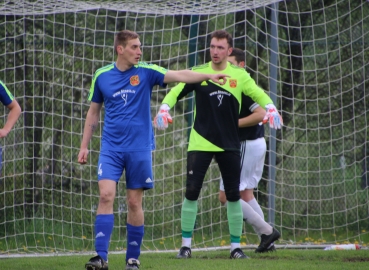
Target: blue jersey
[126, 96]
[5, 96]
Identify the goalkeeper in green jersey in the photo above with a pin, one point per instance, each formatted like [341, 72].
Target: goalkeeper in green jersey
[253, 150]
[214, 134]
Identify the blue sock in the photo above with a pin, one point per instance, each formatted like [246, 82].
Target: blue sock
[103, 228]
[134, 239]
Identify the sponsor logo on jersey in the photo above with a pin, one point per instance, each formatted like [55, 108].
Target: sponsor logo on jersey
[124, 97]
[123, 93]
[220, 98]
[134, 80]
[233, 83]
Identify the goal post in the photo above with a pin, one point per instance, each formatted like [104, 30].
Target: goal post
[49, 51]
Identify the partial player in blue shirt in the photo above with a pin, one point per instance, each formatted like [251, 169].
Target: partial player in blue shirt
[125, 88]
[8, 100]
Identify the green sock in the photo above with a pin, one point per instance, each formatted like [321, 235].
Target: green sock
[235, 220]
[188, 217]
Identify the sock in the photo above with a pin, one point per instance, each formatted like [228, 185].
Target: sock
[134, 239]
[103, 228]
[255, 205]
[188, 218]
[253, 218]
[186, 242]
[235, 245]
[234, 215]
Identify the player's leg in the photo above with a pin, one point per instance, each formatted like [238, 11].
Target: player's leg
[135, 227]
[1, 161]
[197, 165]
[252, 162]
[139, 178]
[109, 172]
[229, 165]
[252, 165]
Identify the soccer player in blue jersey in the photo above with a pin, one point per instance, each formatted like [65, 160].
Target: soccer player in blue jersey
[8, 100]
[214, 134]
[253, 150]
[124, 88]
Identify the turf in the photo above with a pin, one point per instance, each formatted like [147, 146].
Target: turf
[282, 259]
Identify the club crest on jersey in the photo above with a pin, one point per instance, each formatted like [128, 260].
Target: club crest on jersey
[134, 80]
[233, 83]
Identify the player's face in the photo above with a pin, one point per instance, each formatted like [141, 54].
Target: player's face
[219, 50]
[131, 53]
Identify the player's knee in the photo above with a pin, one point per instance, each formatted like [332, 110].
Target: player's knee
[247, 195]
[106, 197]
[233, 195]
[192, 192]
[134, 204]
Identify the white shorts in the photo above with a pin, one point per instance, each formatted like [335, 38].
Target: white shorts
[252, 163]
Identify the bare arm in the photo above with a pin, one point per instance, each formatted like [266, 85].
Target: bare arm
[253, 119]
[188, 76]
[14, 113]
[92, 120]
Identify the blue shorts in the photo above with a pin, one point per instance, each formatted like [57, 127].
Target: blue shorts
[137, 166]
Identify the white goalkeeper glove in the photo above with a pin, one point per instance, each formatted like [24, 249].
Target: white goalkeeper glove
[274, 118]
[163, 117]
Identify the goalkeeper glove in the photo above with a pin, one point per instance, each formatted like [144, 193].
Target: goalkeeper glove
[274, 118]
[163, 117]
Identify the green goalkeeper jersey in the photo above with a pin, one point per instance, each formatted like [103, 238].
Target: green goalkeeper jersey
[217, 107]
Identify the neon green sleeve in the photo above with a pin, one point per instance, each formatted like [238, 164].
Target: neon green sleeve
[175, 94]
[256, 93]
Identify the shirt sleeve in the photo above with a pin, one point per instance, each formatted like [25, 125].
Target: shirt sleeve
[5, 96]
[255, 92]
[95, 94]
[176, 93]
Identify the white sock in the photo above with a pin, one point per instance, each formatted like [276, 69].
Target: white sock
[235, 245]
[255, 205]
[255, 220]
[186, 242]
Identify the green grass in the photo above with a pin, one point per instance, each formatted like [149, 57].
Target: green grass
[282, 259]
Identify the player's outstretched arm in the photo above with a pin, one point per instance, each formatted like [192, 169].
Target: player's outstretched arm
[188, 76]
[14, 113]
[92, 119]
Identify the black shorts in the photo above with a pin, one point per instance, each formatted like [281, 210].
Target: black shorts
[198, 163]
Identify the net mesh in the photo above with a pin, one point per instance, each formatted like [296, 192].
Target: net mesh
[49, 51]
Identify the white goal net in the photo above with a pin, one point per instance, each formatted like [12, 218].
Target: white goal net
[316, 178]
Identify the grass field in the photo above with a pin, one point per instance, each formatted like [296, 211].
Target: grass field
[282, 259]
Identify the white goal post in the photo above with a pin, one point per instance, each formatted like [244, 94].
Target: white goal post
[316, 178]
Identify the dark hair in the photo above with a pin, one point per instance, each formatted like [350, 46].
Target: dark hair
[222, 34]
[122, 38]
[238, 54]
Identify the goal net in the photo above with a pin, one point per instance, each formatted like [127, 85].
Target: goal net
[315, 183]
